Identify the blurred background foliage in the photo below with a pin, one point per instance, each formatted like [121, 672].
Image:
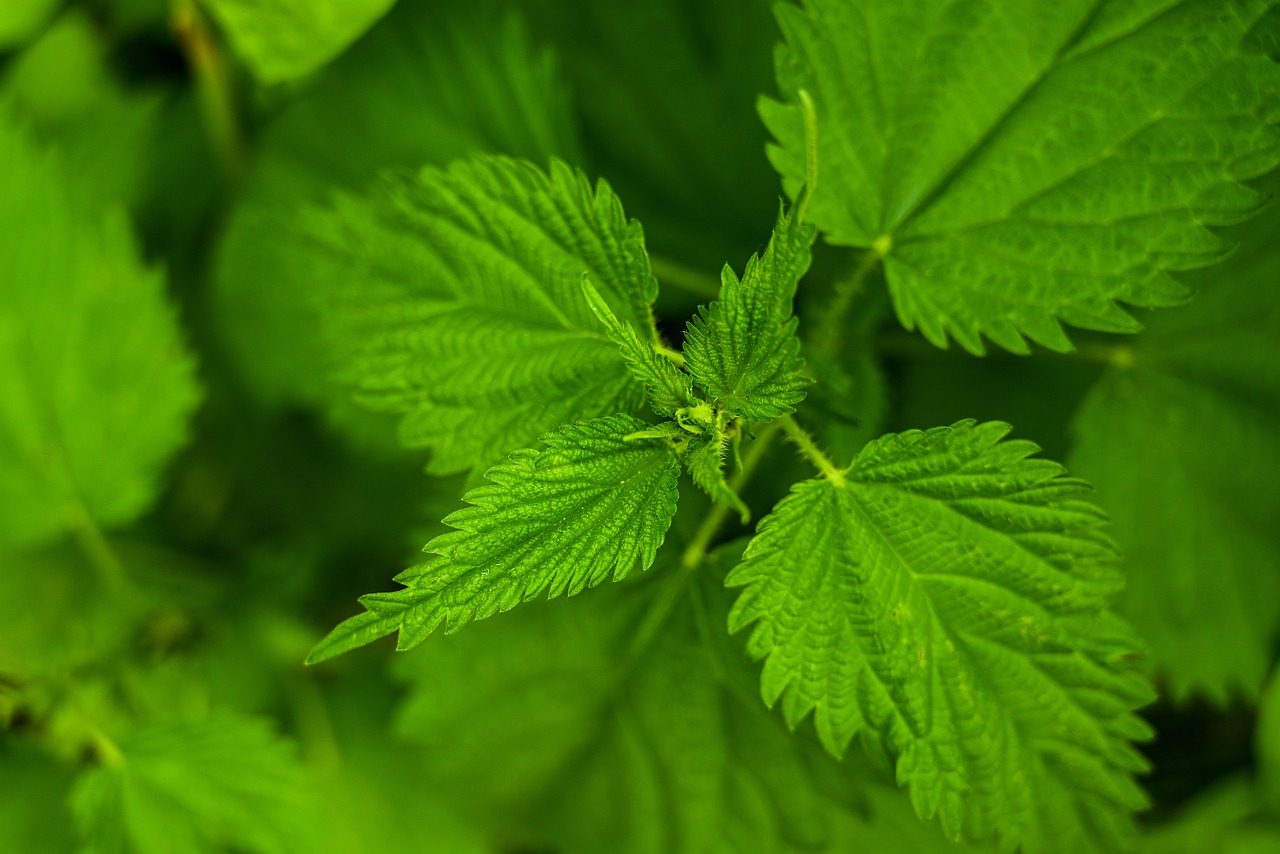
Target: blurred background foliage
[215, 503]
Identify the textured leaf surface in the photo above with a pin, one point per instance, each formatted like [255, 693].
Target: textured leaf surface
[670, 389]
[225, 782]
[704, 458]
[554, 521]
[947, 600]
[1025, 165]
[1182, 440]
[464, 309]
[743, 348]
[282, 40]
[97, 385]
[429, 84]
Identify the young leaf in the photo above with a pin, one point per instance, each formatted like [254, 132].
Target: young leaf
[1018, 166]
[559, 520]
[704, 459]
[670, 389]
[946, 596]
[281, 40]
[225, 782]
[463, 306]
[97, 383]
[1181, 437]
[743, 348]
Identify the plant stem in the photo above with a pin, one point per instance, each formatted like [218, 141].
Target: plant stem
[810, 450]
[827, 337]
[215, 88]
[678, 275]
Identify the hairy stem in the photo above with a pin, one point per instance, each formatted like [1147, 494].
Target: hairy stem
[810, 450]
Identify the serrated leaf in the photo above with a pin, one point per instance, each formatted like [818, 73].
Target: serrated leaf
[670, 389]
[946, 597]
[1181, 437]
[97, 383]
[224, 782]
[281, 40]
[463, 306]
[553, 521]
[1023, 166]
[429, 84]
[704, 458]
[743, 348]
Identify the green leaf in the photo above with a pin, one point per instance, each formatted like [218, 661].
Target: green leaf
[555, 521]
[463, 304]
[670, 389]
[1020, 166]
[196, 786]
[1181, 437]
[743, 348]
[281, 40]
[97, 383]
[946, 598]
[429, 84]
[704, 458]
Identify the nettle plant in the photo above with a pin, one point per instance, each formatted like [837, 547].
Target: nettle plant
[943, 595]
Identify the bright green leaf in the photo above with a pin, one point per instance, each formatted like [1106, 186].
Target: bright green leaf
[704, 458]
[554, 521]
[463, 304]
[1181, 437]
[429, 84]
[670, 389]
[946, 597]
[743, 348]
[97, 383]
[281, 40]
[199, 786]
[1022, 164]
